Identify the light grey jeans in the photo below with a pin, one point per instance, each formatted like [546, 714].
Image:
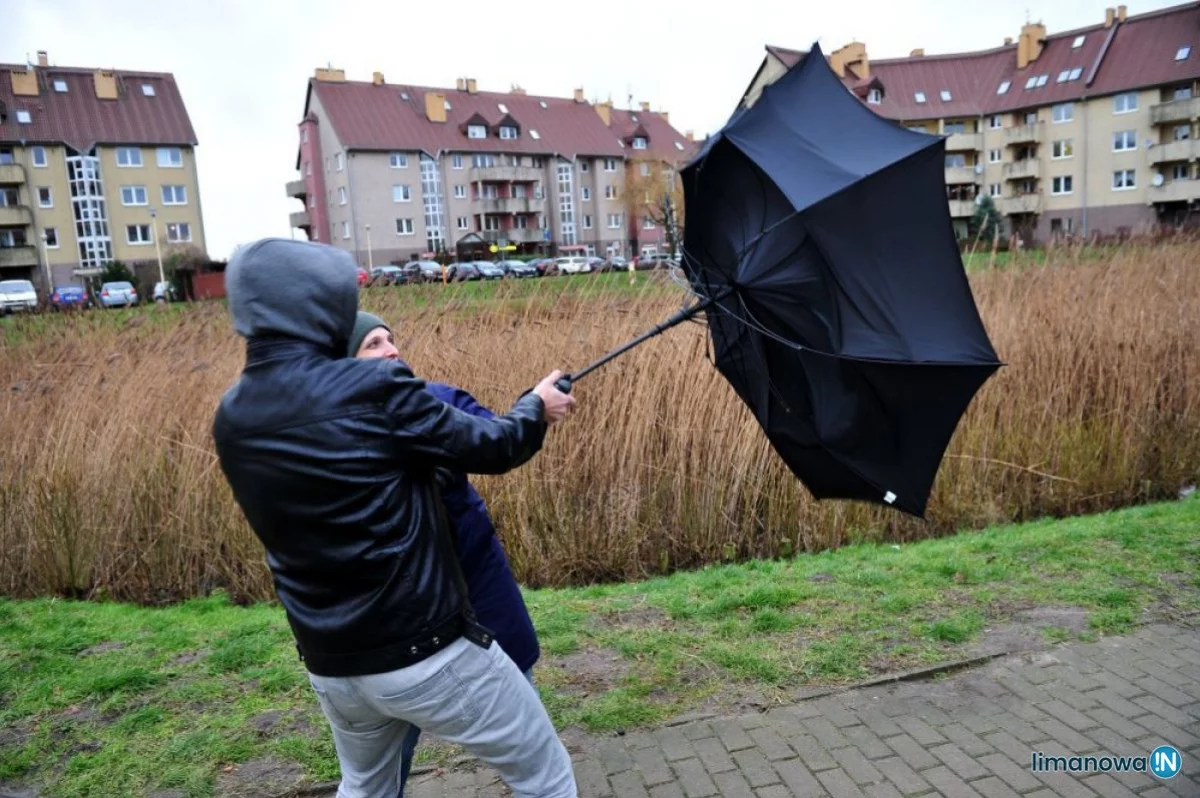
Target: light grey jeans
[463, 694]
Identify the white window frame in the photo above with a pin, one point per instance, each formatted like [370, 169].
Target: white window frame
[491, 224]
[57, 241]
[995, 122]
[1127, 139]
[134, 194]
[173, 229]
[404, 190]
[1185, 128]
[1062, 113]
[164, 159]
[587, 221]
[639, 143]
[40, 160]
[24, 117]
[919, 96]
[874, 96]
[1126, 103]
[131, 162]
[945, 95]
[1076, 73]
[509, 133]
[1064, 76]
[338, 162]
[60, 86]
[49, 193]
[456, 161]
[648, 223]
[1127, 178]
[614, 221]
[176, 192]
[1003, 87]
[303, 135]
[460, 191]
[140, 228]
[1062, 180]
[610, 164]
[995, 155]
[398, 160]
[1183, 53]
[148, 91]
[477, 131]
[610, 192]
[520, 222]
[463, 223]
[345, 231]
[586, 194]
[1032, 82]
[995, 190]
[1079, 40]
[341, 195]
[405, 227]
[1056, 148]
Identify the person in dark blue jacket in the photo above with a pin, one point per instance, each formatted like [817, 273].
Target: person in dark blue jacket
[491, 587]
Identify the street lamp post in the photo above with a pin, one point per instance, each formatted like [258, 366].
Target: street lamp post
[370, 257]
[157, 251]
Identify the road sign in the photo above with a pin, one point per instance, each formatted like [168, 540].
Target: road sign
[494, 249]
[545, 235]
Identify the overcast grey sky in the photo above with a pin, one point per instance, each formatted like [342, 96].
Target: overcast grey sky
[242, 65]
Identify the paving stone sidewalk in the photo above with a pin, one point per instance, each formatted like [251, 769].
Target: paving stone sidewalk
[962, 736]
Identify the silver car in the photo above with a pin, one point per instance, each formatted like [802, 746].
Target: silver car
[118, 295]
[16, 295]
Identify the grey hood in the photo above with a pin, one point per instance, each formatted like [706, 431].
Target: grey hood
[298, 289]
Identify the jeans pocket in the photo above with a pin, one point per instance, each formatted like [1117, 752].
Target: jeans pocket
[442, 701]
[328, 708]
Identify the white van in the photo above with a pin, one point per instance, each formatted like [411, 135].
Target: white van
[572, 265]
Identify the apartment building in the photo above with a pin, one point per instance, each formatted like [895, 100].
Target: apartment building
[391, 172]
[1088, 130]
[94, 164]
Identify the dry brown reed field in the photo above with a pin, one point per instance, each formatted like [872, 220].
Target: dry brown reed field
[109, 485]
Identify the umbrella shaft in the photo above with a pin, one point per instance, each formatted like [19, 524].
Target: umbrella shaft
[678, 318]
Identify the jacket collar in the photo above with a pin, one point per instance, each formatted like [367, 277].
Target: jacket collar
[267, 348]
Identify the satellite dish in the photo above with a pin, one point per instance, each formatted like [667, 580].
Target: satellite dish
[978, 168]
[1158, 179]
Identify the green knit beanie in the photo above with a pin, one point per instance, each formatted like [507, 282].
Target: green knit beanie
[363, 323]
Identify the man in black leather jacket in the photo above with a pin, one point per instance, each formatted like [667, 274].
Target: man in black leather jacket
[333, 461]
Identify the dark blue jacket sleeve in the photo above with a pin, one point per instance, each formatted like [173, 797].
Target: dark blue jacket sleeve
[459, 398]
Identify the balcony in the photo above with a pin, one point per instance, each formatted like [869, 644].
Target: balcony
[962, 208]
[506, 174]
[957, 175]
[514, 236]
[15, 216]
[1021, 204]
[1175, 111]
[300, 219]
[18, 256]
[1186, 150]
[11, 173]
[1176, 191]
[1023, 134]
[1023, 170]
[510, 205]
[297, 189]
[964, 142]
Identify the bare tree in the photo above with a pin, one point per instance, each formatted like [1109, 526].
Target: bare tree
[653, 191]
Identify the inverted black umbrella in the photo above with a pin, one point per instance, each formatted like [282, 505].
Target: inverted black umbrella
[819, 244]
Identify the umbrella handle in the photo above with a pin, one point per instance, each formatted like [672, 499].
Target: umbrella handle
[564, 384]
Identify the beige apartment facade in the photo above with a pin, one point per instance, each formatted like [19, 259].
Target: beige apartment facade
[536, 175]
[1088, 131]
[94, 165]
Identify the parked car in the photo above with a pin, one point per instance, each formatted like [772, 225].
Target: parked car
[164, 292]
[118, 295]
[387, 275]
[69, 296]
[617, 263]
[519, 269]
[595, 263]
[572, 265]
[490, 271]
[656, 260]
[423, 271]
[465, 271]
[17, 295]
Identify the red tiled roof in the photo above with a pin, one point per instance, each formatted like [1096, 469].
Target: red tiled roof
[80, 120]
[661, 138]
[1141, 54]
[369, 117]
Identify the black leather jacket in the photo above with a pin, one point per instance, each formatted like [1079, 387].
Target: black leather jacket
[333, 463]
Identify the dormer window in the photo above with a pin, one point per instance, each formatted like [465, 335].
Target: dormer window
[639, 143]
[508, 132]
[476, 132]
[874, 96]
